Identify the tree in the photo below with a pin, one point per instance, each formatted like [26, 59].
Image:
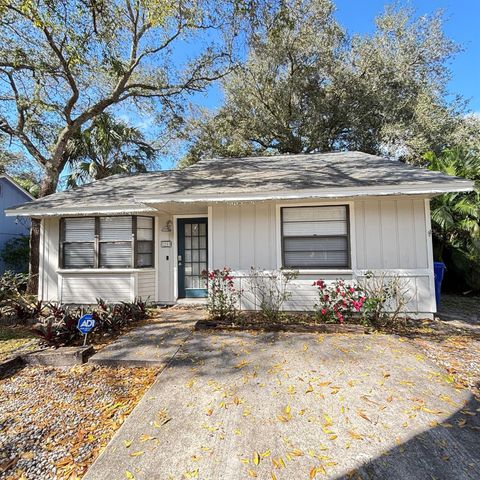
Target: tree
[308, 87]
[456, 217]
[64, 62]
[105, 148]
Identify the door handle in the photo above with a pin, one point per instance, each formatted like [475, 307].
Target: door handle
[179, 258]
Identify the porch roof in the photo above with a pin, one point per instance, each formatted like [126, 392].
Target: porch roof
[320, 175]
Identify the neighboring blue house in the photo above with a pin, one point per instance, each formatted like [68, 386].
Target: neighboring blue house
[11, 194]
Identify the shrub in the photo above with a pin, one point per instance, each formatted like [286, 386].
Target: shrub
[386, 298]
[270, 289]
[339, 302]
[375, 300]
[222, 294]
[57, 324]
[16, 253]
[12, 286]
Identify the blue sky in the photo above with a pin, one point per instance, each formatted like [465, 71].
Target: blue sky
[462, 26]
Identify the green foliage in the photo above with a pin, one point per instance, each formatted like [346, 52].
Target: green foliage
[107, 147]
[57, 324]
[456, 217]
[12, 286]
[375, 300]
[307, 86]
[66, 62]
[15, 254]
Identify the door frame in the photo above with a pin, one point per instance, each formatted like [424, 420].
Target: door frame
[175, 244]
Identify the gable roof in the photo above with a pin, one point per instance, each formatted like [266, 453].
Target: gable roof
[320, 175]
[15, 185]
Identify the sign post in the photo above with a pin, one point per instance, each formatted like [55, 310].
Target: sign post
[85, 324]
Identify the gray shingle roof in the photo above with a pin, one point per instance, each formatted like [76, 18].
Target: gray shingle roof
[225, 176]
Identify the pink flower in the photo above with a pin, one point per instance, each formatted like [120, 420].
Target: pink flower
[324, 312]
[351, 290]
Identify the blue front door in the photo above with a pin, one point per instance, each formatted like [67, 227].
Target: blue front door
[192, 257]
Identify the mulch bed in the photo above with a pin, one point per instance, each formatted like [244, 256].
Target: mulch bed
[54, 422]
[300, 323]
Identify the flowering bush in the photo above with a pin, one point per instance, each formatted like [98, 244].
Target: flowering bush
[222, 294]
[340, 302]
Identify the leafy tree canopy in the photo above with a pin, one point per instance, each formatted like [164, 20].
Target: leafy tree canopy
[105, 148]
[306, 86]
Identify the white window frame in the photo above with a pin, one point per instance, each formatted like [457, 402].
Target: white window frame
[97, 241]
[352, 242]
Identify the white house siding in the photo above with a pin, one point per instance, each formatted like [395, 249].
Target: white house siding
[243, 236]
[389, 236]
[146, 285]
[85, 288]
[48, 261]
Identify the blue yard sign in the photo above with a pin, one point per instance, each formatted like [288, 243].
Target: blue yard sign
[86, 323]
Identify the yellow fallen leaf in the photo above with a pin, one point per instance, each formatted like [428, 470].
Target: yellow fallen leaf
[291, 389]
[309, 389]
[265, 454]
[256, 458]
[127, 443]
[145, 438]
[191, 474]
[129, 475]
[296, 452]
[137, 454]
[252, 473]
[355, 435]
[328, 420]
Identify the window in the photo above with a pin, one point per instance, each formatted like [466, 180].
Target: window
[107, 242]
[315, 237]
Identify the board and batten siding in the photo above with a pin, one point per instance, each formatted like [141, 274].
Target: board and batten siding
[84, 287]
[389, 236]
[146, 285]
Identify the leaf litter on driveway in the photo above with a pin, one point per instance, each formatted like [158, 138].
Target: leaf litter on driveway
[298, 406]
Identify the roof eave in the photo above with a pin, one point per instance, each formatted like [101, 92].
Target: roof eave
[79, 211]
[343, 192]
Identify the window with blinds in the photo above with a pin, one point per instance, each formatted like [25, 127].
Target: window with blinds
[315, 237]
[107, 242]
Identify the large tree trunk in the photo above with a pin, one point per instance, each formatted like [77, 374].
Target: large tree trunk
[48, 186]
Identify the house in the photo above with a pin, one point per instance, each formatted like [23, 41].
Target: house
[328, 215]
[11, 194]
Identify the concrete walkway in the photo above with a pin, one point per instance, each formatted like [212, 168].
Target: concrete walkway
[297, 406]
[151, 345]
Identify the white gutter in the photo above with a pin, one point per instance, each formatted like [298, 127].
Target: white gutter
[77, 211]
[344, 192]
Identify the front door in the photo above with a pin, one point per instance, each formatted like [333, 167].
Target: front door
[192, 257]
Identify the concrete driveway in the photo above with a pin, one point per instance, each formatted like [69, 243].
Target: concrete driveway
[298, 406]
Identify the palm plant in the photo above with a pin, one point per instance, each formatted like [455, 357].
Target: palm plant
[107, 147]
[456, 216]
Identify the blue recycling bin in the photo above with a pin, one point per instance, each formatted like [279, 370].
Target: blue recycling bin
[438, 270]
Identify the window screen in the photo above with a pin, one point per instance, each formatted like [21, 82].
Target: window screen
[78, 242]
[315, 237]
[144, 252]
[107, 242]
[115, 242]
